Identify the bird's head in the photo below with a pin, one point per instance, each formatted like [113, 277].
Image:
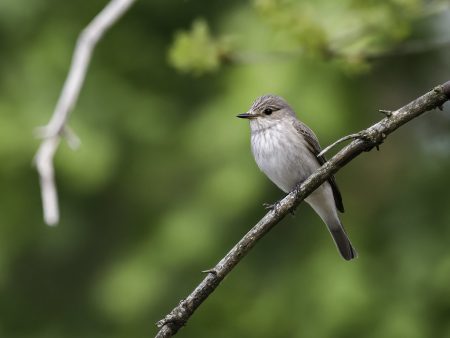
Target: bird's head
[268, 110]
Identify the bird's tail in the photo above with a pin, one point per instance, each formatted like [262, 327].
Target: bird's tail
[342, 242]
[322, 202]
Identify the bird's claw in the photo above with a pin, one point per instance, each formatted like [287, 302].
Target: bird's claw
[273, 206]
[270, 206]
[373, 138]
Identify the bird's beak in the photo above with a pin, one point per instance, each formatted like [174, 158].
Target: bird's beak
[246, 116]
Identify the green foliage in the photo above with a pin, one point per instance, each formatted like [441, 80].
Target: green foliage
[351, 32]
[197, 51]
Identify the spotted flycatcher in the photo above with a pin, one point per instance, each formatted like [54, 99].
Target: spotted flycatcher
[286, 150]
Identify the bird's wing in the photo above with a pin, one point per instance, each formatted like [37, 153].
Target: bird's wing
[314, 147]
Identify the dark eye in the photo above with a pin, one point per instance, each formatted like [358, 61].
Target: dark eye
[268, 111]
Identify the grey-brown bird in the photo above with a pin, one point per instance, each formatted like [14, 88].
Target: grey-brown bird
[286, 150]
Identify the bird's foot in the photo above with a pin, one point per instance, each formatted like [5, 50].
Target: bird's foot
[273, 206]
[292, 211]
[373, 138]
[270, 206]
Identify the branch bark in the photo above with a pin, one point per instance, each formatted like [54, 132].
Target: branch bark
[57, 126]
[368, 139]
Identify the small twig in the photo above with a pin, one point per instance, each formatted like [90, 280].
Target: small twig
[342, 139]
[388, 113]
[57, 126]
[366, 140]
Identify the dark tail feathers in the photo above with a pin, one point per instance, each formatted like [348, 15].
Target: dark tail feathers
[343, 243]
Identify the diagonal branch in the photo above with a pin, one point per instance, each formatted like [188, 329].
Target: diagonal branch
[368, 138]
[57, 126]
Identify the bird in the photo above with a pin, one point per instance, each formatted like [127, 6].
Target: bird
[286, 150]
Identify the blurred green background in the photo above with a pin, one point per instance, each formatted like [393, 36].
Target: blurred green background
[164, 182]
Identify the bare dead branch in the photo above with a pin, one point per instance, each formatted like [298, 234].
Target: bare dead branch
[57, 126]
[368, 139]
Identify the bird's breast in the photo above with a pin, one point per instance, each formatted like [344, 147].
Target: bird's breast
[282, 154]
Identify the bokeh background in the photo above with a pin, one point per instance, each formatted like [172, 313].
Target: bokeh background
[164, 182]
